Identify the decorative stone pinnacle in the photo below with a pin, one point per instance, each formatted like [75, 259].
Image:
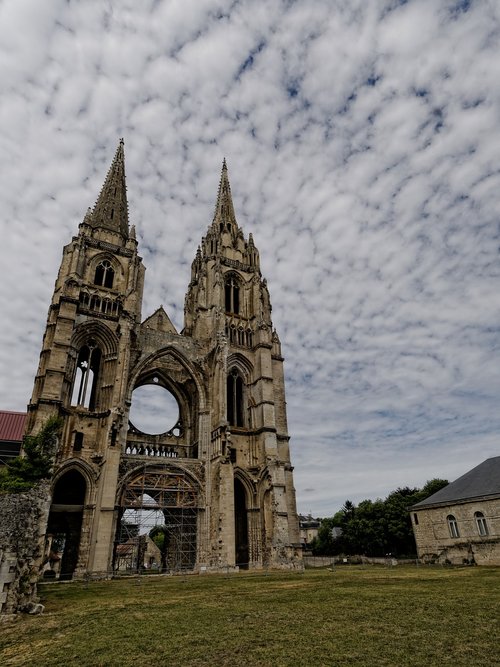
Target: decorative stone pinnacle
[224, 209]
[111, 207]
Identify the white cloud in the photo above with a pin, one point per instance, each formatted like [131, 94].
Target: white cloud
[362, 142]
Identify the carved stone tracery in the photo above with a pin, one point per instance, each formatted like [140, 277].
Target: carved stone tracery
[203, 469]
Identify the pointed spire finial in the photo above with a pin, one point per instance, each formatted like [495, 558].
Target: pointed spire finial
[224, 209]
[111, 207]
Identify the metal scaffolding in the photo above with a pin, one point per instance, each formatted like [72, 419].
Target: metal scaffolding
[158, 526]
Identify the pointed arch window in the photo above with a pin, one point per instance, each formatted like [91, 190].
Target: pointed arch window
[232, 295]
[104, 274]
[482, 526]
[235, 412]
[86, 376]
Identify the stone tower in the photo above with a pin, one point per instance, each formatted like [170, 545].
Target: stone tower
[213, 487]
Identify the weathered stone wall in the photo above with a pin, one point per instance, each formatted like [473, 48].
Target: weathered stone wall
[23, 517]
[435, 544]
[227, 337]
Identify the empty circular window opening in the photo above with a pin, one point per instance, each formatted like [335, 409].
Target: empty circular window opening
[154, 409]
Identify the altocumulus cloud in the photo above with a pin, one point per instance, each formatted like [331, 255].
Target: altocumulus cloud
[363, 147]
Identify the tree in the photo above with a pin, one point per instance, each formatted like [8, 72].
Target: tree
[348, 510]
[399, 532]
[161, 537]
[431, 487]
[23, 472]
[375, 528]
[323, 544]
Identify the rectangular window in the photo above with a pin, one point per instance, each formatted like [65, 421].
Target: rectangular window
[482, 526]
[78, 442]
[453, 526]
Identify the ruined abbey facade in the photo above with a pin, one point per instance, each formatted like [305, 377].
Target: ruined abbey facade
[215, 489]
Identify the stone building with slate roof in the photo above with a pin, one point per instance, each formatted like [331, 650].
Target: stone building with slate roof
[461, 522]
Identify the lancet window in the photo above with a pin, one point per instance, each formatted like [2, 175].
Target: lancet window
[97, 304]
[239, 336]
[86, 376]
[104, 274]
[232, 295]
[235, 412]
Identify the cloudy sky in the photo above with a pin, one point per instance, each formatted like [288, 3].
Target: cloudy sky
[363, 146]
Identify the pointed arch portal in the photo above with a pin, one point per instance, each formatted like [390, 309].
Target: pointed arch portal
[65, 523]
[158, 522]
[240, 524]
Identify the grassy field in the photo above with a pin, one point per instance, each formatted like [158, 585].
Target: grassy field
[363, 616]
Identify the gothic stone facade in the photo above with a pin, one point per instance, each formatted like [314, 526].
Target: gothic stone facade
[220, 478]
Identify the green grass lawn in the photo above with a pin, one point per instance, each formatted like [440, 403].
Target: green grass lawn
[365, 616]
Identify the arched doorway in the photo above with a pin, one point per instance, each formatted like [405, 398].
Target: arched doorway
[65, 523]
[158, 522]
[240, 524]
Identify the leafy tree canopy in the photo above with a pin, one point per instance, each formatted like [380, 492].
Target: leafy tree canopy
[374, 528]
[23, 472]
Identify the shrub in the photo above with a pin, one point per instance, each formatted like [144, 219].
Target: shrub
[23, 472]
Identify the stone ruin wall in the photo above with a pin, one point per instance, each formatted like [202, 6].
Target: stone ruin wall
[23, 518]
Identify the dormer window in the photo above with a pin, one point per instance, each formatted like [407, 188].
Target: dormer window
[104, 274]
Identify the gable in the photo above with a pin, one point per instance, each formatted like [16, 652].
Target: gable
[159, 321]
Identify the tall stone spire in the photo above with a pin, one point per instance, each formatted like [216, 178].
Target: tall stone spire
[111, 208]
[224, 209]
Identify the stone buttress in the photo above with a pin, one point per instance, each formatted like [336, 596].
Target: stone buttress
[213, 490]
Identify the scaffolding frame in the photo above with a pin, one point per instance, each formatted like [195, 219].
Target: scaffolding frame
[162, 502]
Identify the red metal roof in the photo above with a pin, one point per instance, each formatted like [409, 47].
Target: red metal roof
[12, 425]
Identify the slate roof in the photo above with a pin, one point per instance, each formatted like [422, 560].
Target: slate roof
[12, 426]
[483, 480]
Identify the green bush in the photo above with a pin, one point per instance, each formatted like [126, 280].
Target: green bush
[23, 472]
